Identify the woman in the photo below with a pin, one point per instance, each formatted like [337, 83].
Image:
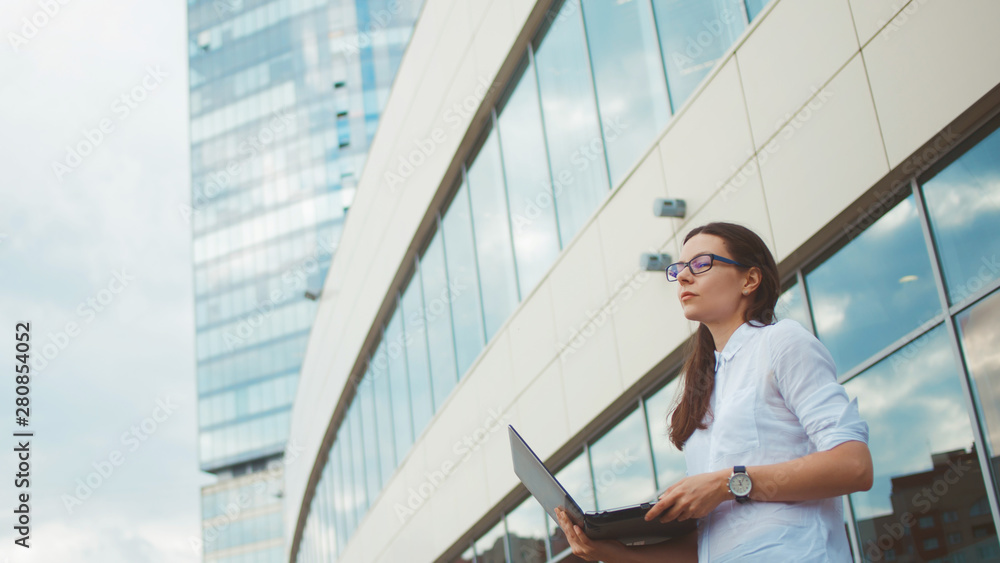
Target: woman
[770, 439]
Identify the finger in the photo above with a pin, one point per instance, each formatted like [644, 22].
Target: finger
[664, 503]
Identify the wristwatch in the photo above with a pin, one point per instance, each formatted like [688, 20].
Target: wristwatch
[740, 484]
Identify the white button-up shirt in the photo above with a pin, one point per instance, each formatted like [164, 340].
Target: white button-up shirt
[776, 398]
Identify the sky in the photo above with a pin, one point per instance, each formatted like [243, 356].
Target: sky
[95, 253]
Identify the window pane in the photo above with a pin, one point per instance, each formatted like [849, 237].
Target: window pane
[437, 311]
[489, 548]
[463, 281]
[693, 36]
[526, 532]
[623, 472]
[874, 290]
[493, 244]
[395, 350]
[791, 305]
[417, 361]
[963, 203]
[575, 478]
[981, 346]
[754, 7]
[383, 412]
[467, 556]
[922, 449]
[669, 461]
[572, 127]
[358, 458]
[628, 70]
[529, 187]
[365, 400]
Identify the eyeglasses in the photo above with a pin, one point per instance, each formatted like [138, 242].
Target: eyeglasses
[698, 265]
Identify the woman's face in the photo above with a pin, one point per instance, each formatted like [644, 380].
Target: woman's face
[716, 295]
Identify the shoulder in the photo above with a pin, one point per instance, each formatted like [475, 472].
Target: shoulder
[787, 339]
[788, 331]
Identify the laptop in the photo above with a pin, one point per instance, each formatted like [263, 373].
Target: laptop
[626, 524]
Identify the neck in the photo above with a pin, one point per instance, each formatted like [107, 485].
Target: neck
[723, 330]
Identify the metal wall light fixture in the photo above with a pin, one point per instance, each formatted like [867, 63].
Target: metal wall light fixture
[662, 208]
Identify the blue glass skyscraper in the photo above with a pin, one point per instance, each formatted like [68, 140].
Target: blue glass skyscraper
[285, 97]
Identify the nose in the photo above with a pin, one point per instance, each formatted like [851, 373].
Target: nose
[685, 276]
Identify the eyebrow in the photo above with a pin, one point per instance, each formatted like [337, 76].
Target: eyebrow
[699, 254]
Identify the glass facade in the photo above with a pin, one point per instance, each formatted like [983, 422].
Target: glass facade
[571, 122]
[935, 446]
[285, 96]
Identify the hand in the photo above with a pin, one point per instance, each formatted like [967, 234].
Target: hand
[692, 497]
[584, 547]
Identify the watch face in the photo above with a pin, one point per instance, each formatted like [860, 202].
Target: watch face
[739, 484]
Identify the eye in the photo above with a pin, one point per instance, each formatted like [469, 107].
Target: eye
[701, 263]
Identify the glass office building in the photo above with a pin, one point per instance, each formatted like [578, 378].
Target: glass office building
[285, 98]
[514, 295]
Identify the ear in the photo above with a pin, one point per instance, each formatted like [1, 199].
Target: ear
[751, 281]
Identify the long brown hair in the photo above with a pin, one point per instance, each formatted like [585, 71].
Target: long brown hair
[745, 247]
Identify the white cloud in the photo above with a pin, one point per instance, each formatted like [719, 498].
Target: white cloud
[64, 243]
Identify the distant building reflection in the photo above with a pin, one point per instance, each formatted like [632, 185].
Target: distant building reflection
[937, 516]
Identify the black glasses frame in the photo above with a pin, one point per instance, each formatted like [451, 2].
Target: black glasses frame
[679, 266]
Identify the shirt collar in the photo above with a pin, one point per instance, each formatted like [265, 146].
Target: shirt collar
[736, 340]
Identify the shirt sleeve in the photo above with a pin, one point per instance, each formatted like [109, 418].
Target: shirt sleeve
[807, 379]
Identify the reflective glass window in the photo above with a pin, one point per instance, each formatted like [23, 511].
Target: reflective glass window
[365, 399]
[754, 7]
[791, 305]
[495, 255]
[399, 385]
[981, 346]
[575, 478]
[529, 186]
[357, 457]
[343, 485]
[383, 411]
[463, 280]
[963, 204]
[572, 128]
[526, 532]
[668, 461]
[628, 71]
[874, 290]
[922, 448]
[622, 467]
[490, 547]
[417, 359]
[693, 36]
[467, 556]
[437, 315]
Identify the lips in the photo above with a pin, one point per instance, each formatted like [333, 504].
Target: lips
[685, 294]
